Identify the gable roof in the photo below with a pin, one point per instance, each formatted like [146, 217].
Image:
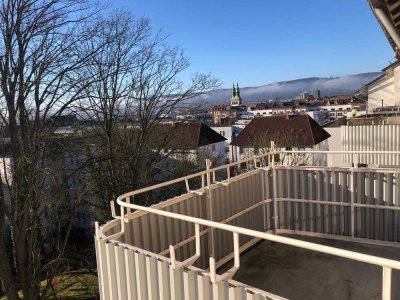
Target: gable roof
[295, 131]
[189, 135]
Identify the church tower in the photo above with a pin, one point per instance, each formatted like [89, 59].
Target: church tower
[236, 101]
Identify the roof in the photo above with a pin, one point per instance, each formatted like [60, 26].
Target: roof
[188, 135]
[391, 9]
[295, 131]
[337, 123]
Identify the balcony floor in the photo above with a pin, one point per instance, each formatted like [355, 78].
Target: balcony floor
[299, 274]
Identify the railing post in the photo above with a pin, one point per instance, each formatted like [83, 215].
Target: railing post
[386, 283]
[208, 167]
[209, 209]
[274, 189]
[352, 200]
[329, 160]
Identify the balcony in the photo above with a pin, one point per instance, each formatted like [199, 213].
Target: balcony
[192, 246]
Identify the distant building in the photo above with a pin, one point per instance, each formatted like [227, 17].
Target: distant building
[316, 94]
[193, 141]
[236, 100]
[297, 131]
[229, 132]
[384, 91]
[222, 114]
[304, 96]
[226, 115]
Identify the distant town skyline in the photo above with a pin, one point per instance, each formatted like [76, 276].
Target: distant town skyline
[260, 42]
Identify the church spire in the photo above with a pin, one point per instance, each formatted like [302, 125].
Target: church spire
[233, 90]
[237, 89]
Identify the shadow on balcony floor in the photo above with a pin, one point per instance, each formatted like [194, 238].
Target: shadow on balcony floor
[300, 274]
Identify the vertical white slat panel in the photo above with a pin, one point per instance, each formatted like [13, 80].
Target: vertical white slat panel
[372, 185]
[358, 190]
[154, 233]
[101, 262]
[303, 195]
[396, 224]
[184, 228]
[335, 209]
[120, 265]
[353, 182]
[163, 280]
[136, 233]
[239, 293]
[141, 283]
[221, 291]
[190, 290]
[130, 274]
[319, 216]
[128, 233]
[152, 278]
[146, 231]
[263, 196]
[388, 184]
[205, 287]
[112, 279]
[297, 214]
[176, 281]
[169, 228]
[288, 193]
[326, 197]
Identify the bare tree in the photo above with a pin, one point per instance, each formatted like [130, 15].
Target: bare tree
[40, 62]
[136, 88]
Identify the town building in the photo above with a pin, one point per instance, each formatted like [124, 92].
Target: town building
[316, 94]
[286, 131]
[225, 115]
[236, 100]
[304, 96]
[193, 141]
[229, 132]
[384, 91]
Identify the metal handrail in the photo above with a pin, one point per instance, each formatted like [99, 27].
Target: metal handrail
[386, 264]
[125, 199]
[253, 158]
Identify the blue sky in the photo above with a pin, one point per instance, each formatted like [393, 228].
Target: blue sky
[257, 42]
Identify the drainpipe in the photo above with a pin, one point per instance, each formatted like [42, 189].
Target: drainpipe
[388, 25]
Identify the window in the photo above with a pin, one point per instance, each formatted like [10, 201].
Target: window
[213, 147]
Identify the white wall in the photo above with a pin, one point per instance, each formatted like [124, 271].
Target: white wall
[372, 138]
[384, 89]
[333, 143]
[216, 152]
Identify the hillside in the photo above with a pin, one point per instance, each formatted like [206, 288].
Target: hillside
[288, 89]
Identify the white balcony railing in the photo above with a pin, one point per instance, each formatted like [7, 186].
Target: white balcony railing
[262, 202]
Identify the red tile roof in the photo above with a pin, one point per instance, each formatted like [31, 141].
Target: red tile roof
[189, 135]
[294, 131]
